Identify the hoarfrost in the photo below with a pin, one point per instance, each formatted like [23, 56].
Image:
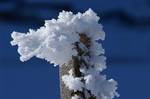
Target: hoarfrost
[56, 37]
[73, 83]
[54, 43]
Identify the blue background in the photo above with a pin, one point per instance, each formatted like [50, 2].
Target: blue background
[127, 27]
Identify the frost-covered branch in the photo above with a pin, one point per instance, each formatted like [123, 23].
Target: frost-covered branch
[72, 37]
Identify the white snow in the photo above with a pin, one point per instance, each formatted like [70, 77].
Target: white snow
[95, 82]
[100, 86]
[96, 49]
[99, 62]
[73, 83]
[76, 97]
[54, 43]
[56, 37]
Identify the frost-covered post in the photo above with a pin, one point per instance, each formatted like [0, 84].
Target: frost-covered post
[82, 47]
[71, 42]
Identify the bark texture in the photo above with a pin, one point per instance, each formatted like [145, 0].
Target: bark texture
[75, 65]
[64, 91]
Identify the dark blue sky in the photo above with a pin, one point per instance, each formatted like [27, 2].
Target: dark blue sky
[127, 27]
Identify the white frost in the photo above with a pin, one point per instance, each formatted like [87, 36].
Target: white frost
[76, 97]
[100, 86]
[73, 83]
[53, 42]
[99, 62]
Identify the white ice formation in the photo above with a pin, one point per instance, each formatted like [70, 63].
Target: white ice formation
[57, 37]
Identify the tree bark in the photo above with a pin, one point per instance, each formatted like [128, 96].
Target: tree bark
[65, 93]
[75, 65]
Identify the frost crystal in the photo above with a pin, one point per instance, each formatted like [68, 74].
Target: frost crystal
[56, 37]
[55, 42]
[76, 97]
[101, 87]
[73, 83]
